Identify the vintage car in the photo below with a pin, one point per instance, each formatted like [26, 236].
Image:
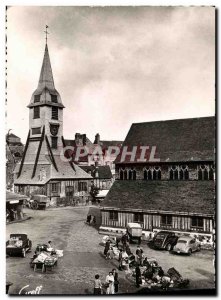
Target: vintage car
[39, 202]
[18, 244]
[187, 245]
[134, 231]
[165, 240]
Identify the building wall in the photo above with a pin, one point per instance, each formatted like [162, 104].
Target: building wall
[165, 169]
[153, 221]
[103, 184]
[65, 188]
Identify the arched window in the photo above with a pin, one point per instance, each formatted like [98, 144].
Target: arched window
[121, 174]
[156, 173]
[211, 173]
[184, 172]
[174, 173]
[171, 174]
[132, 174]
[148, 174]
[204, 172]
[145, 174]
[149, 177]
[152, 173]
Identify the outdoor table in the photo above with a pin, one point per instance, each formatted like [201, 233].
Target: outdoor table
[39, 265]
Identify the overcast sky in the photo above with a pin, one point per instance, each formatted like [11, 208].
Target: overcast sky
[113, 65]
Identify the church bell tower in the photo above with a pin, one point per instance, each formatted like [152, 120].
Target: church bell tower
[46, 108]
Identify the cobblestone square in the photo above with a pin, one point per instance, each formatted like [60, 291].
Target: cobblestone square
[83, 256]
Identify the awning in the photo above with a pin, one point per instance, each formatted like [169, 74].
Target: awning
[14, 201]
[11, 197]
[102, 194]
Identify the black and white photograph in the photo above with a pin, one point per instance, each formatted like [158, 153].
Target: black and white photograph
[110, 145]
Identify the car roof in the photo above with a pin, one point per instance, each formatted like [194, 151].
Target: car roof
[185, 237]
[134, 225]
[165, 232]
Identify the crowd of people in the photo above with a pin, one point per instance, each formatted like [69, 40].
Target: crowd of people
[146, 271]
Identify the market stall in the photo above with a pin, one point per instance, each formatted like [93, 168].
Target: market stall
[14, 206]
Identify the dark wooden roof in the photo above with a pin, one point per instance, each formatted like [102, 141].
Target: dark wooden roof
[187, 197]
[175, 140]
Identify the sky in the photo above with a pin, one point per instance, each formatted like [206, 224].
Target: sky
[113, 66]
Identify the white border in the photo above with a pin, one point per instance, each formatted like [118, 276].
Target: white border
[5, 3]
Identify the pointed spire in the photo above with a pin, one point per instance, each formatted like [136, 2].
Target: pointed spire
[46, 76]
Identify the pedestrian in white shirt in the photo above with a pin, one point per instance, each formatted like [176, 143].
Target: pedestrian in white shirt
[110, 281]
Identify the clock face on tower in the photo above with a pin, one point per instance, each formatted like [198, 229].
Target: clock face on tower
[54, 129]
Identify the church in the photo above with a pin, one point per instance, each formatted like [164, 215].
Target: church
[42, 169]
[176, 192]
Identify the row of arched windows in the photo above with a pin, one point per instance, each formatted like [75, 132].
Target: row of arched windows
[126, 174]
[179, 172]
[205, 172]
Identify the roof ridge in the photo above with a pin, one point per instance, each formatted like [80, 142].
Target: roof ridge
[171, 120]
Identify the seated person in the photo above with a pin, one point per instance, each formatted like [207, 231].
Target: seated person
[50, 248]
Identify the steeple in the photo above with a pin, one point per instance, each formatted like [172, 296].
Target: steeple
[46, 77]
[46, 93]
[46, 108]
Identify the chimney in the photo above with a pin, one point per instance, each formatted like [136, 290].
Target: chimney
[97, 139]
[77, 138]
[84, 138]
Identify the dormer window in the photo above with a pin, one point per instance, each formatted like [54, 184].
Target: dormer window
[37, 98]
[54, 113]
[54, 98]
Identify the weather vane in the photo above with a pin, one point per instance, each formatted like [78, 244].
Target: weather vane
[46, 33]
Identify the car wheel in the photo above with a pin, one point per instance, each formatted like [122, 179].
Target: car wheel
[169, 247]
[23, 252]
[189, 251]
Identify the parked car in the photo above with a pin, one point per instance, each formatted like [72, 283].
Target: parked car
[134, 231]
[18, 244]
[187, 245]
[39, 202]
[165, 240]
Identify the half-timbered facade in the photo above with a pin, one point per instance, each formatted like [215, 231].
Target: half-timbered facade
[176, 190]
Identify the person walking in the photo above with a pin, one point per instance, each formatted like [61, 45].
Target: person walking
[138, 276]
[110, 281]
[106, 248]
[120, 260]
[116, 282]
[139, 254]
[97, 285]
[88, 219]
